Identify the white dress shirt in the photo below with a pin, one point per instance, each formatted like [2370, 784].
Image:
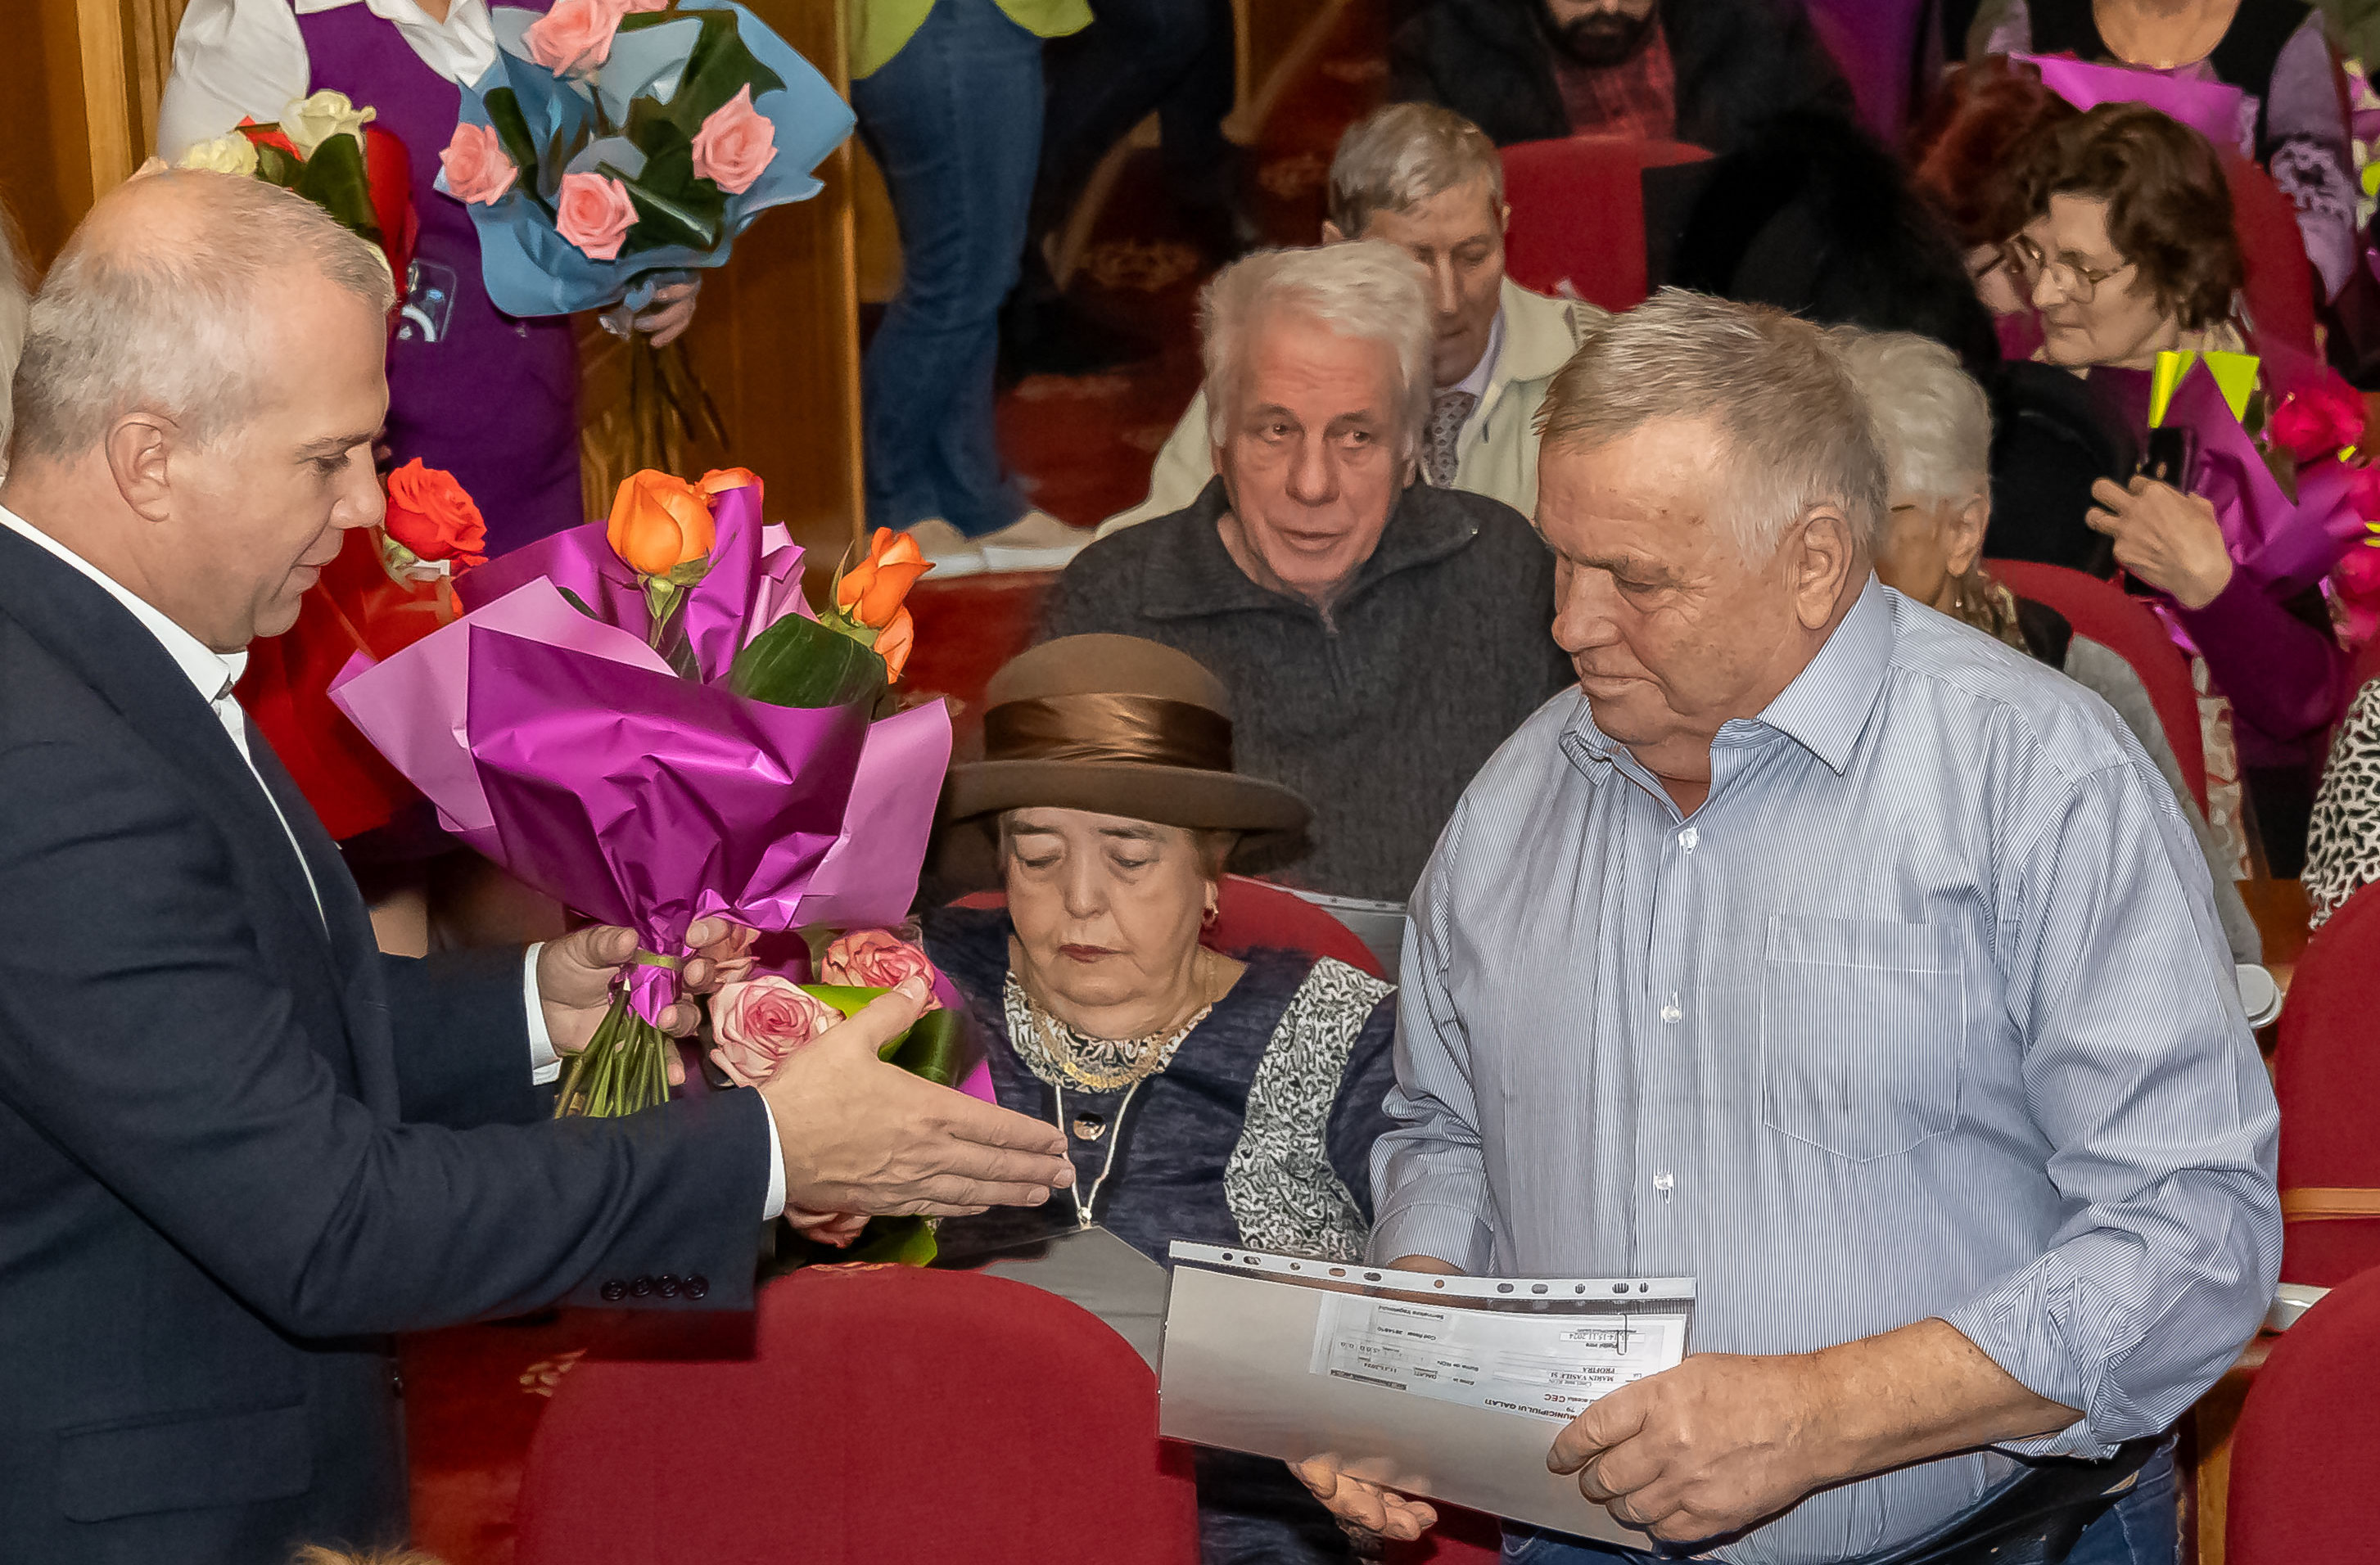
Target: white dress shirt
[236, 57]
[214, 674]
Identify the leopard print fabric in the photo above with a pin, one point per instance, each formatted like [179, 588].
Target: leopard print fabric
[2343, 843]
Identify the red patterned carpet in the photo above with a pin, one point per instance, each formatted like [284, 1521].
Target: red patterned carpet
[1083, 448]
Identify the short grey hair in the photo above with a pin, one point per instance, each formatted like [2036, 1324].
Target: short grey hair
[167, 326]
[1796, 430]
[15, 300]
[1933, 422]
[1394, 159]
[1366, 290]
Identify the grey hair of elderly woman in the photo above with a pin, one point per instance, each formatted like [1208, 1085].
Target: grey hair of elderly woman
[151, 308]
[1933, 422]
[1396, 158]
[1794, 430]
[1366, 290]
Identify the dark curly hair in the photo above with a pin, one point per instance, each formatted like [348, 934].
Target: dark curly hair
[2169, 204]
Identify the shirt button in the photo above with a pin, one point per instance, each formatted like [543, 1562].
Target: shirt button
[1670, 1012]
[1665, 1181]
[1689, 837]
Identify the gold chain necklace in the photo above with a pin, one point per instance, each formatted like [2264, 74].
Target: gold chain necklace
[1058, 1053]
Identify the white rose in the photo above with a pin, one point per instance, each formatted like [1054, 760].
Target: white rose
[225, 154]
[310, 122]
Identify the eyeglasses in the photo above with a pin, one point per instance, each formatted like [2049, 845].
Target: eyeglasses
[2074, 280]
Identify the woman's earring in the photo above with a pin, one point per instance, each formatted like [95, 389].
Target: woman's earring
[1207, 920]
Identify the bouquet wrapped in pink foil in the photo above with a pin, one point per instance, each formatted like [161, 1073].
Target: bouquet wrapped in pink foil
[643, 719]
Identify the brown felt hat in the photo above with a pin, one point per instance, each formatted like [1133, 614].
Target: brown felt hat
[1118, 726]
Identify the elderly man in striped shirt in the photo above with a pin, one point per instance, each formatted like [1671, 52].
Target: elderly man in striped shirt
[1828, 952]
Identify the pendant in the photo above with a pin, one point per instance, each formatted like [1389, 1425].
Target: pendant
[1089, 1127]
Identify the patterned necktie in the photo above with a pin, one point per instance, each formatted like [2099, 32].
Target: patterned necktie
[1449, 411]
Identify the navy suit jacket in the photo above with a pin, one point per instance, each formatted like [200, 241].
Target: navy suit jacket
[237, 1149]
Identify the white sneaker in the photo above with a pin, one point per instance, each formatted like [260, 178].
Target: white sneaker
[952, 551]
[1035, 542]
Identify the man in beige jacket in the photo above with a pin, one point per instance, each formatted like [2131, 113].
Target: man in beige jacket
[1427, 180]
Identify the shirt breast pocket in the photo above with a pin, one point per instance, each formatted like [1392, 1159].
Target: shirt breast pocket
[1862, 1032]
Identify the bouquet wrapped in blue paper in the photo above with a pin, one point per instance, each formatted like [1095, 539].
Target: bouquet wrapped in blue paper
[617, 144]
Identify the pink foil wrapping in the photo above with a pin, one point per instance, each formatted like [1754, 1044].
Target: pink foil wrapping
[567, 751]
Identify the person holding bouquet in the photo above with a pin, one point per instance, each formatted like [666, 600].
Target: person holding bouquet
[487, 397]
[243, 1146]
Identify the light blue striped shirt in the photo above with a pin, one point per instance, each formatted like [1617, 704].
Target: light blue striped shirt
[1924, 1012]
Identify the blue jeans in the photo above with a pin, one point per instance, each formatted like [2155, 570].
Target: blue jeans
[954, 121]
[2142, 1528]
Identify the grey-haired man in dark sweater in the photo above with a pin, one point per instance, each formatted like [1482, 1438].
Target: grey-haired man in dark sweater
[1380, 637]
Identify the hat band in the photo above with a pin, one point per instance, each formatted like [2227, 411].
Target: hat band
[1136, 730]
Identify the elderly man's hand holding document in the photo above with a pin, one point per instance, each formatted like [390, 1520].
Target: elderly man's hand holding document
[1456, 1387]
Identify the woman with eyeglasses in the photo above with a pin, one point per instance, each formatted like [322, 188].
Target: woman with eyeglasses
[2129, 251]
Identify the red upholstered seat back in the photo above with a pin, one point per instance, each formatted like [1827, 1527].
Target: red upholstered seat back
[2280, 282]
[2307, 1445]
[2327, 1073]
[1251, 913]
[887, 1414]
[2105, 613]
[1578, 214]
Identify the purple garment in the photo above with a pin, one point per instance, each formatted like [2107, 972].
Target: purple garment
[490, 398]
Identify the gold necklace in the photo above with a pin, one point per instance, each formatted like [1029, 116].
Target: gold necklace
[1059, 1053]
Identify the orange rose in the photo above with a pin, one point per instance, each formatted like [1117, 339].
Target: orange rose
[429, 514]
[720, 479]
[871, 591]
[660, 523]
[892, 644]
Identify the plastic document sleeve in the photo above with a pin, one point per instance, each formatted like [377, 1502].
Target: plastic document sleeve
[1449, 1387]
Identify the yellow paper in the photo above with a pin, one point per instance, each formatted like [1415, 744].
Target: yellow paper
[2171, 366]
[2235, 374]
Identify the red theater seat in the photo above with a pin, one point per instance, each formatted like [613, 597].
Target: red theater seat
[1578, 214]
[882, 1413]
[2107, 614]
[2327, 1073]
[2307, 1445]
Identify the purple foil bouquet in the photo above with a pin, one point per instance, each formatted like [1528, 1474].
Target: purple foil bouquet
[659, 742]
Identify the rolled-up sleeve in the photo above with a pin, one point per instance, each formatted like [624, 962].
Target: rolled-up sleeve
[1430, 1181]
[2141, 1071]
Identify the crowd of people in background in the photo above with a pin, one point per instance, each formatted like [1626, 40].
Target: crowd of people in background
[1352, 564]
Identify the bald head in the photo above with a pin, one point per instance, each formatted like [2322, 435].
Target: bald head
[157, 304]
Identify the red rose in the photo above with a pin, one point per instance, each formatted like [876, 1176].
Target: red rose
[429, 514]
[757, 1023]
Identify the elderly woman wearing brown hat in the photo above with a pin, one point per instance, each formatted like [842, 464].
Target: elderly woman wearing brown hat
[1228, 1100]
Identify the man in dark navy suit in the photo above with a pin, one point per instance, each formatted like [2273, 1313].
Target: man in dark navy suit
[238, 1146]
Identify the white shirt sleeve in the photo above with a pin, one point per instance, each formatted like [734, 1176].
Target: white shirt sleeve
[231, 58]
[545, 1068]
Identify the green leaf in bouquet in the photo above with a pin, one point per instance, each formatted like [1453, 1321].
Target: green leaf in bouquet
[799, 663]
[512, 129]
[934, 1048]
[662, 222]
[893, 1242]
[718, 65]
[275, 166]
[334, 180]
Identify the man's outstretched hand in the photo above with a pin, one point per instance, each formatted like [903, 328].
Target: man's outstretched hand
[864, 1139]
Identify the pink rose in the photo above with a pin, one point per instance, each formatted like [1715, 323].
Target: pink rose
[592, 211]
[477, 168]
[734, 144]
[875, 959]
[574, 37]
[2318, 421]
[757, 1023]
